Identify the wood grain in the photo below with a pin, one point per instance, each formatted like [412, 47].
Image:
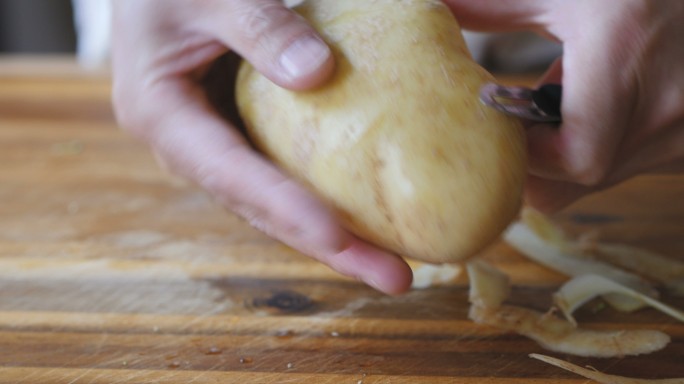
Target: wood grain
[112, 270]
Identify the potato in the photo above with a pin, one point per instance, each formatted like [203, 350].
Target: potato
[397, 142]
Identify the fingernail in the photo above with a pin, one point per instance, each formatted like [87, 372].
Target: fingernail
[304, 56]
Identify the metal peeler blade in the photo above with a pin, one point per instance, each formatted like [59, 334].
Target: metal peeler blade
[541, 105]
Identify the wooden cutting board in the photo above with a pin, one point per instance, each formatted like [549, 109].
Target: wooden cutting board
[112, 271]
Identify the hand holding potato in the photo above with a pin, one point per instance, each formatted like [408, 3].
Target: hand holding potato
[397, 142]
[623, 84]
[623, 108]
[161, 54]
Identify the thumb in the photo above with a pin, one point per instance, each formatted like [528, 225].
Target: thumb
[498, 15]
[277, 41]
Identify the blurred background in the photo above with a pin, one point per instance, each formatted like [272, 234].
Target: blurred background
[37, 26]
[82, 27]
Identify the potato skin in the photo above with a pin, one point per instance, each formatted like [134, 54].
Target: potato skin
[397, 142]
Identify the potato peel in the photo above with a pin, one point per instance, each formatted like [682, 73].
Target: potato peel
[646, 263]
[579, 290]
[543, 227]
[600, 377]
[489, 288]
[559, 335]
[561, 258]
[652, 265]
[429, 275]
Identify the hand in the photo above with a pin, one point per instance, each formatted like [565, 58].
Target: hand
[623, 90]
[162, 52]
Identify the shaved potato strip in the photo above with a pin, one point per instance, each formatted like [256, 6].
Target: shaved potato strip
[429, 275]
[581, 289]
[665, 270]
[653, 266]
[563, 260]
[543, 227]
[489, 288]
[600, 377]
[561, 336]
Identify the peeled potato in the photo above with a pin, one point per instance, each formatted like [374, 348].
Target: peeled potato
[397, 142]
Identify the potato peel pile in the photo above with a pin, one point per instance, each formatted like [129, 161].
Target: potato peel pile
[663, 270]
[537, 238]
[582, 289]
[528, 238]
[488, 290]
[624, 276]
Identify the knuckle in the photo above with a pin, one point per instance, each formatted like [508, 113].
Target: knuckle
[129, 121]
[123, 108]
[132, 113]
[590, 149]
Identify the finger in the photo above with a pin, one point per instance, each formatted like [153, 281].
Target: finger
[596, 110]
[659, 155]
[550, 195]
[498, 15]
[387, 274]
[544, 154]
[200, 145]
[276, 40]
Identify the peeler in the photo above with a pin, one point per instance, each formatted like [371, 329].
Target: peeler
[540, 105]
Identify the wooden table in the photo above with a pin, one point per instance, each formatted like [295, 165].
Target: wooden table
[113, 271]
